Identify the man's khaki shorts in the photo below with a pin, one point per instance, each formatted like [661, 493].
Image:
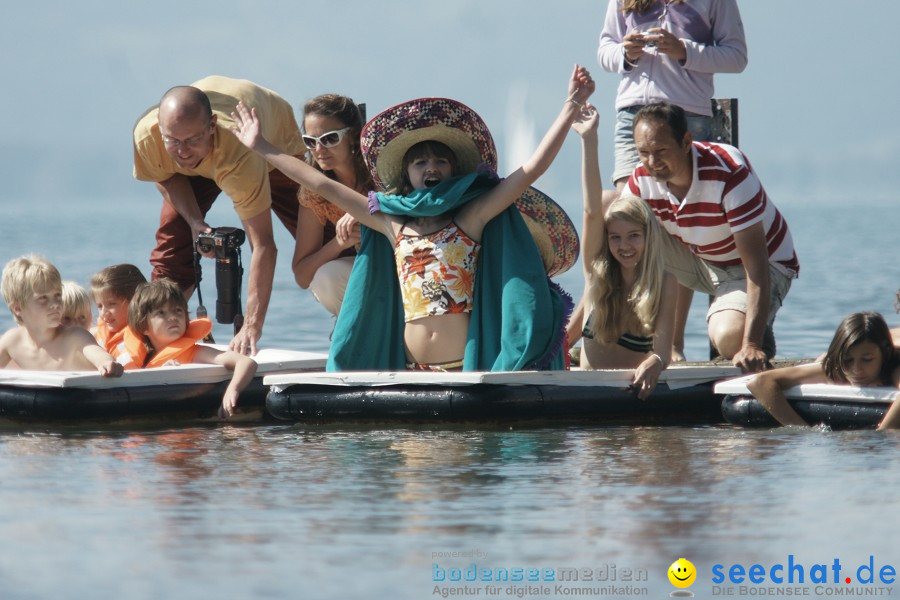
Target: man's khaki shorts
[727, 285]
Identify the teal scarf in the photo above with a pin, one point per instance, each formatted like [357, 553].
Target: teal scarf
[518, 316]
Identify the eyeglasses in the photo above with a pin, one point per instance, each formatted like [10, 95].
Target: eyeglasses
[328, 140]
[190, 142]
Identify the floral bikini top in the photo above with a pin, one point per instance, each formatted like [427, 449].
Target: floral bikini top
[436, 272]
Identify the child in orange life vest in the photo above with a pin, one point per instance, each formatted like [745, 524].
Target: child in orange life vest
[112, 289]
[159, 334]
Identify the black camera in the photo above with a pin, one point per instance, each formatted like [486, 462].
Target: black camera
[226, 243]
[222, 239]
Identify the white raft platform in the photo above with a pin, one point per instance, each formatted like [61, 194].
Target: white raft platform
[187, 392]
[838, 406]
[684, 395]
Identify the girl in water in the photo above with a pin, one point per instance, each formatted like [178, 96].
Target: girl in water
[861, 354]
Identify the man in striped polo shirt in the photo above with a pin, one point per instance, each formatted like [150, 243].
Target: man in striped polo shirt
[726, 238]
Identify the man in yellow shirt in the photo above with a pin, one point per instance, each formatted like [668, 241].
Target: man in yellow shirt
[185, 147]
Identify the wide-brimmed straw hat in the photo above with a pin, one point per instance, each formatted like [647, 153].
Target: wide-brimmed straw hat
[387, 137]
[385, 140]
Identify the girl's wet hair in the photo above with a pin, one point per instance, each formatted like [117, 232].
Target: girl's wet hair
[855, 329]
[119, 280]
[425, 149]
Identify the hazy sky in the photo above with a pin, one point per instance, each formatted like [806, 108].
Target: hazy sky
[77, 75]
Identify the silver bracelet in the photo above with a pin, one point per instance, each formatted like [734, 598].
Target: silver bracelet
[574, 101]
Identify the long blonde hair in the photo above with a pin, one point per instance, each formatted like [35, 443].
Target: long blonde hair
[611, 305]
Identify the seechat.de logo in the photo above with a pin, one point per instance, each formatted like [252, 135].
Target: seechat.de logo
[795, 571]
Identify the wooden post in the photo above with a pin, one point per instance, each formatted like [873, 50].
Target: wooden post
[725, 121]
[724, 131]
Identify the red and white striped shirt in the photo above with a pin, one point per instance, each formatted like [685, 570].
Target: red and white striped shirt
[725, 196]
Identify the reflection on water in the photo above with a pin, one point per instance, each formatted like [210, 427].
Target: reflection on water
[358, 513]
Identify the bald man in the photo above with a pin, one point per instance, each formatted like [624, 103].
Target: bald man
[185, 147]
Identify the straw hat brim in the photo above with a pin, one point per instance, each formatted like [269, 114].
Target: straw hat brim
[553, 231]
[390, 160]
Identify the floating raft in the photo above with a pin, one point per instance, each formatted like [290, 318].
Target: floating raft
[187, 392]
[838, 406]
[684, 395]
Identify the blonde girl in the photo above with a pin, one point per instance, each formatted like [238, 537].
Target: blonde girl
[629, 297]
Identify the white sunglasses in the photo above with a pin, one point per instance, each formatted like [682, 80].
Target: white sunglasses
[328, 140]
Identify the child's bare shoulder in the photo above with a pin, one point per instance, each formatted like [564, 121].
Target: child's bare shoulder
[71, 341]
[77, 336]
[11, 338]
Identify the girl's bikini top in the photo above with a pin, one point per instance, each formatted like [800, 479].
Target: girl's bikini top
[436, 272]
[629, 341]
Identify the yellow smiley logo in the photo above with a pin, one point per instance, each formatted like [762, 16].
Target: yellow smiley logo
[682, 573]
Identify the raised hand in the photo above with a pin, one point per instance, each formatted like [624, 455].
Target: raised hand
[587, 120]
[246, 125]
[581, 85]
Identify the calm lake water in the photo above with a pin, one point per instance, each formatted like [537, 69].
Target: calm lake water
[280, 511]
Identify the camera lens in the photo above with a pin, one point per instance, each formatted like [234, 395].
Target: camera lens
[228, 288]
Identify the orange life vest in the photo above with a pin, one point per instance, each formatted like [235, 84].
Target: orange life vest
[181, 350]
[111, 343]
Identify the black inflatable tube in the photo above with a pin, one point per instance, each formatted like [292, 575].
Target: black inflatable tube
[156, 402]
[748, 412]
[492, 403]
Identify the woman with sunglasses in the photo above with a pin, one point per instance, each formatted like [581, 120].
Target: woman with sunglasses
[326, 236]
